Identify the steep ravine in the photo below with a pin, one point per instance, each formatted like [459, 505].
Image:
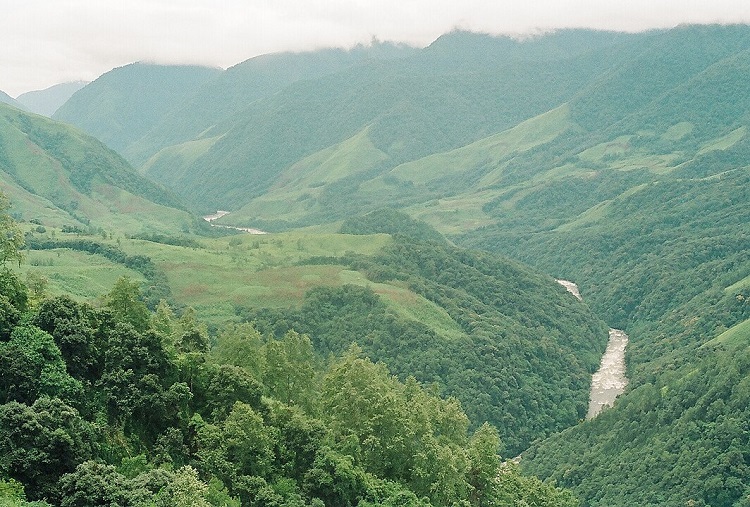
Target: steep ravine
[609, 381]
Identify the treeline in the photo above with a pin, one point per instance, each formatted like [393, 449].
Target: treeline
[519, 355]
[120, 406]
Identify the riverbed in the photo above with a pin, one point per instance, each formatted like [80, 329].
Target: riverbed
[610, 380]
[210, 219]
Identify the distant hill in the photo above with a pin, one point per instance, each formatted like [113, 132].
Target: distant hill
[56, 175]
[241, 85]
[49, 100]
[437, 99]
[123, 104]
[7, 99]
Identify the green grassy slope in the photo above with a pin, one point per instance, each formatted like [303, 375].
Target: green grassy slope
[59, 176]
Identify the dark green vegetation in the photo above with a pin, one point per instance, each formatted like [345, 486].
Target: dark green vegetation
[120, 406]
[520, 352]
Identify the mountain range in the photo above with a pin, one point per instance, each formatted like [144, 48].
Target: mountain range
[49, 100]
[619, 161]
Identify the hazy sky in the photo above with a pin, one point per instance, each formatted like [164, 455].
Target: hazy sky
[45, 42]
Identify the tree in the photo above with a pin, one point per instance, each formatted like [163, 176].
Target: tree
[74, 326]
[228, 385]
[11, 238]
[93, 484]
[192, 335]
[484, 464]
[289, 372]
[41, 442]
[125, 302]
[33, 366]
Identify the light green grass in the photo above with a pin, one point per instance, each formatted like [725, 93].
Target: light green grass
[251, 270]
[180, 155]
[735, 287]
[408, 304]
[293, 195]
[598, 211]
[735, 336]
[724, 142]
[83, 276]
[616, 147]
[678, 131]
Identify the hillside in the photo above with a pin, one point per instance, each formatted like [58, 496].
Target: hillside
[618, 161]
[49, 100]
[58, 176]
[531, 345]
[123, 104]
[241, 85]
[115, 405]
[438, 99]
[7, 99]
[652, 131]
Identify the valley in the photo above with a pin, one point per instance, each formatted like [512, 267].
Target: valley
[381, 312]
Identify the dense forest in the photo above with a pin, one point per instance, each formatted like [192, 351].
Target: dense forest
[118, 405]
[521, 356]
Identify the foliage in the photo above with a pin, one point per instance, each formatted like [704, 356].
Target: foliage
[525, 350]
[390, 221]
[163, 421]
[11, 238]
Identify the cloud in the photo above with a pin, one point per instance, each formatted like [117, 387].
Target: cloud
[50, 41]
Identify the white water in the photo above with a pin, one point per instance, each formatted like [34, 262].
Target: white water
[609, 381]
[210, 219]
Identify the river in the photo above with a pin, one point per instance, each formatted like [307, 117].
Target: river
[210, 219]
[609, 381]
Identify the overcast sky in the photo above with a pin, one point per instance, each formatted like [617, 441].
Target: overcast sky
[45, 42]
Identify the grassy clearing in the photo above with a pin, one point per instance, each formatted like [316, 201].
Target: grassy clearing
[81, 275]
[251, 270]
[724, 142]
[745, 282]
[735, 336]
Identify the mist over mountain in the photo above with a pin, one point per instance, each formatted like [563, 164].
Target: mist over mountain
[7, 99]
[49, 100]
[120, 106]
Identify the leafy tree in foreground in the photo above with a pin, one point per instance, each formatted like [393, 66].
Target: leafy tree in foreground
[41, 442]
[11, 238]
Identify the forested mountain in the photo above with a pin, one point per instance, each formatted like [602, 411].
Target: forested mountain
[245, 83]
[115, 405]
[619, 161]
[49, 100]
[516, 349]
[59, 176]
[123, 104]
[398, 110]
